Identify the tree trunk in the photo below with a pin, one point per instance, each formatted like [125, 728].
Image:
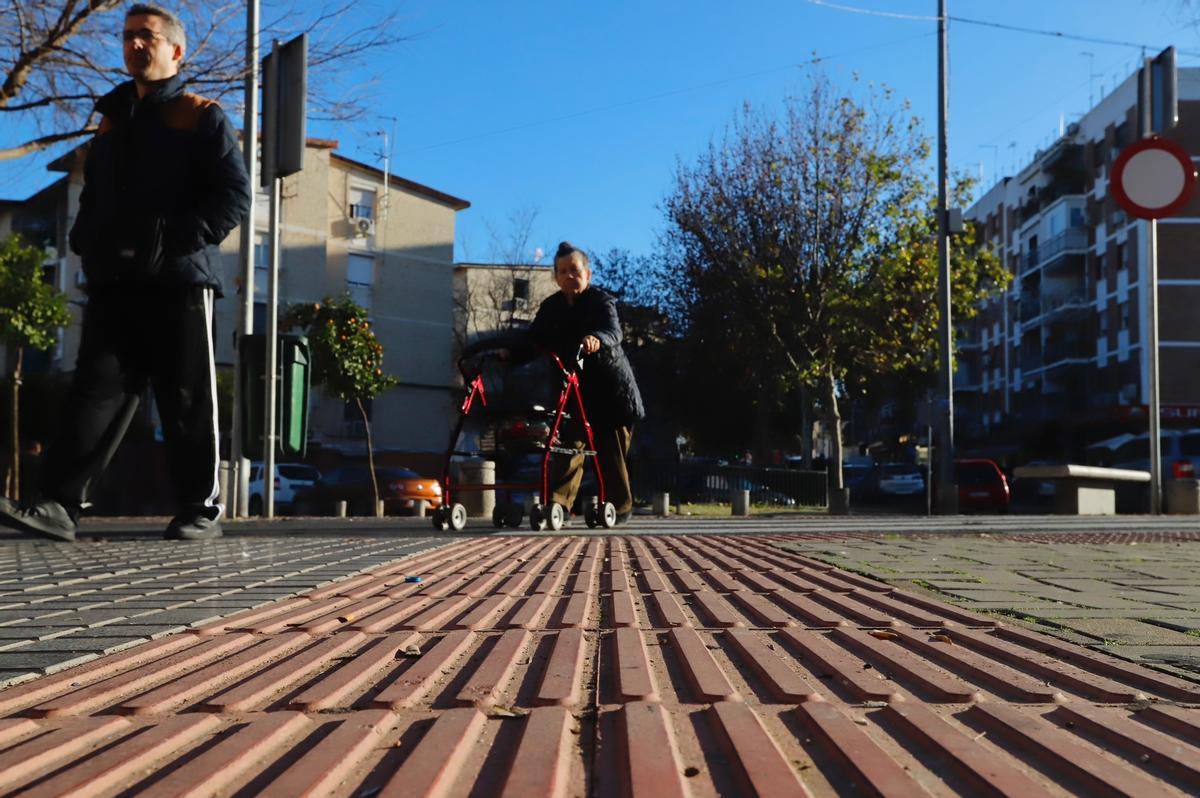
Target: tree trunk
[378, 511]
[806, 436]
[834, 417]
[14, 472]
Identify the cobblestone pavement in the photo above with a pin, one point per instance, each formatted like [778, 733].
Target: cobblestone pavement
[650, 665]
[62, 604]
[1132, 594]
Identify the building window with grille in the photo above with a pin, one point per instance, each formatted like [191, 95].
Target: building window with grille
[262, 265]
[360, 276]
[362, 203]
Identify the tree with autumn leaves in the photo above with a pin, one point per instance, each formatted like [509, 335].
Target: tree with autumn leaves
[347, 358]
[804, 246]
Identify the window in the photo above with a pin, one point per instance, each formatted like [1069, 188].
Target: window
[262, 265]
[1099, 261]
[360, 276]
[1121, 264]
[1124, 316]
[362, 203]
[521, 289]
[1103, 323]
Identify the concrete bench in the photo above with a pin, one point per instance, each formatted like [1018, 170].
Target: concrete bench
[1080, 489]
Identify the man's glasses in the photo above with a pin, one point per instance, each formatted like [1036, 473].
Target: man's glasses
[145, 36]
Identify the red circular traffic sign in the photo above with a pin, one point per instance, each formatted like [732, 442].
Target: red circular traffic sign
[1153, 178]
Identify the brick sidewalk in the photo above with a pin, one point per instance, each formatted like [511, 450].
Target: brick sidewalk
[655, 665]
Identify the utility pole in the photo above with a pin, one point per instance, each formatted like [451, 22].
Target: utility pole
[947, 490]
[239, 488]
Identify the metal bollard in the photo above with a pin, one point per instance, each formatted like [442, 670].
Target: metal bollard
[339, 508]
[740, 501]
[1183, 496]
[224, 472]
[379, 509]
[419, 507]
[660, 504]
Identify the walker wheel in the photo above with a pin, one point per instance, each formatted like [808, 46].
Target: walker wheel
[608, 515]
[537, 518]
[499, 518]
[590, 516]
[514, 513]
[440, 520]
[557, 516]
[458, 517]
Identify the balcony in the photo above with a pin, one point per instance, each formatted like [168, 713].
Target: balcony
[1071, 240]
[1029, 308]
[1066, 306]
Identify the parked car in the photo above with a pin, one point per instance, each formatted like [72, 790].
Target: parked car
[1179, 450]
[860, 478]
[900, 480]
[399, 489]
[981, 486]
[290, 478]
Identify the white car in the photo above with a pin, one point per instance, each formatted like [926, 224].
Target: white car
[289, 478]
[897, 479]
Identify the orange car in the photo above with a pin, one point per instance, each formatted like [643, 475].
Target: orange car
[399, 488]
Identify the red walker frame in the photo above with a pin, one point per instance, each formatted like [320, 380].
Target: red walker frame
[453, 515]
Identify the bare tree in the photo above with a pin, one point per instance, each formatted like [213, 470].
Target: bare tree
[499, 296]
[57, 57]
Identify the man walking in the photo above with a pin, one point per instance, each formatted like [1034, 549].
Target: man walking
[164, 184]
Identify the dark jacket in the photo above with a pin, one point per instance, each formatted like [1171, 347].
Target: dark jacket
[164, 184]
[610, 392]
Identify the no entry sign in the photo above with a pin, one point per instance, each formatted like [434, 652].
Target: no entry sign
[1153, 178]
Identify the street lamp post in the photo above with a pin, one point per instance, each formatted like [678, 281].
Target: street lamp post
[947, 492]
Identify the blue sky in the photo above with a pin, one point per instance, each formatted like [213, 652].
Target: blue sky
[579, 111]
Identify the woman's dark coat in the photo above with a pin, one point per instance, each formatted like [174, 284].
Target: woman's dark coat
[610, 392]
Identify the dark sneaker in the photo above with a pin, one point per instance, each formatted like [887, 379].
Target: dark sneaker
[46, 518]
[193, 527]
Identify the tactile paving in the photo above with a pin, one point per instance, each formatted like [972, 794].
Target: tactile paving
[578, 666]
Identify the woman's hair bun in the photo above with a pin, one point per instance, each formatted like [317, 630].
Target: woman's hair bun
[565, 248]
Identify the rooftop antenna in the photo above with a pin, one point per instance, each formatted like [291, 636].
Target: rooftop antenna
[1092, 75]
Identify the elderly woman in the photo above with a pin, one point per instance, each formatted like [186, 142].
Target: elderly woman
[580, 315]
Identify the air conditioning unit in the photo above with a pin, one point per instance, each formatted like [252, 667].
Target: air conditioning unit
[363, 227]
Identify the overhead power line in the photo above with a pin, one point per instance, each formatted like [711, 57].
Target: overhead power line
[1075, 37]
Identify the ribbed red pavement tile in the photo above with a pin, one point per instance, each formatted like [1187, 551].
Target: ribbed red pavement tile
[604, 666]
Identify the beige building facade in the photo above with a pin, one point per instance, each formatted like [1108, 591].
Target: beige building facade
[345, 228]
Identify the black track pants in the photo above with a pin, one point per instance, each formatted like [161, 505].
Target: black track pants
[161, 338]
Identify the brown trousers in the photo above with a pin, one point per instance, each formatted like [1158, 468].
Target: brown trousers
[612, 447]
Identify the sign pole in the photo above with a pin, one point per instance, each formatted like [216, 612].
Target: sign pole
[239, 486]
[1152, 367]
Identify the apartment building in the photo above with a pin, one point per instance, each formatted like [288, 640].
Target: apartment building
[1059, 360]
[492, 298]
[346, 227]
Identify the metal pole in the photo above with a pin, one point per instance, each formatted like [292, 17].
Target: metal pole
[240, 485]
[947, 492]
[271, 333]
[1152, 367]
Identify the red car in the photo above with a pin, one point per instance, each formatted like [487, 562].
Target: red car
[981, 486]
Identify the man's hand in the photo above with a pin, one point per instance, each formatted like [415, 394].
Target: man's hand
[590, 344]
